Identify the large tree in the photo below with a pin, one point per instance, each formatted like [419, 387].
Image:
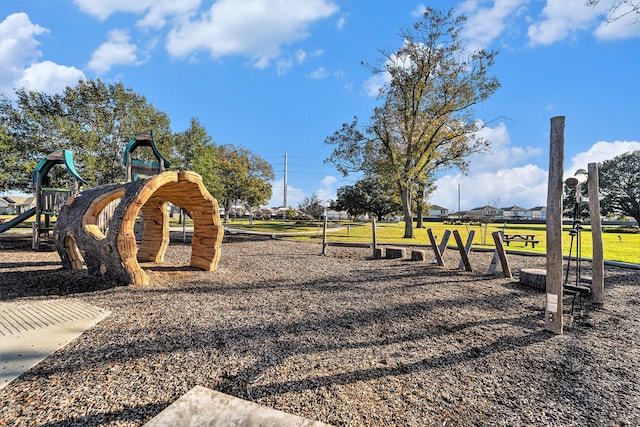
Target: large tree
[93, 119]
[312, 206]
[367, 196]
[620, 185]
[426, 120]
[243, 177]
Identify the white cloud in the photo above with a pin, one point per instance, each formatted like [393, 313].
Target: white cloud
[252, 28]
[294, 195]
[376, 82]
[485, 24]
[599, 152]
[117, 50]
[501, 151]
[284, 64]
[18, 47]
[524, 186]
[327, 191]
[342, 21]
[49, 77]
[19, 54]
[301, 55]
[624, 24]
[102, 9]
[489, 181]
[155, 12]
[418, 11]
[319, 73]
[562, 18]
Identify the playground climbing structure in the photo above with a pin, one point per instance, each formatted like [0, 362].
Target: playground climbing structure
[115, 255]
[49, 199]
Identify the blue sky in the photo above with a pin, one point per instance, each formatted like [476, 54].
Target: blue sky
[279, 76]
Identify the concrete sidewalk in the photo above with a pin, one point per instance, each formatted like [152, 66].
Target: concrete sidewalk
[31, 331]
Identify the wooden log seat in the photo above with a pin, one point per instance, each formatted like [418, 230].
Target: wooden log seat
[114, 253]
[392, 252]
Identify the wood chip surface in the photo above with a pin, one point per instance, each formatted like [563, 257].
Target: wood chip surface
[341, 338]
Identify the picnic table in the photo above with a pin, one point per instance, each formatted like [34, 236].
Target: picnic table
[521, 237]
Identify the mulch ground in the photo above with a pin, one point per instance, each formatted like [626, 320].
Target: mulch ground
[341, 338]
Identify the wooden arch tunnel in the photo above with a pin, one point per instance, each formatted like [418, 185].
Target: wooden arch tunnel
[114, 253]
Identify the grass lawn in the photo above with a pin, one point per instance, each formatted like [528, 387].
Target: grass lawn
[623, 247]
[618, 246]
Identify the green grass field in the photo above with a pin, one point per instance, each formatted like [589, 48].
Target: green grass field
[623, 247]
[618, 246]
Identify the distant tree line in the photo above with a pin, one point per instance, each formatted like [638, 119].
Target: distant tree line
[95, 120]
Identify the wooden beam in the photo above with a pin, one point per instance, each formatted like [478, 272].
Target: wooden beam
[597, 263]
[436, 249]
[553, 306]
[464, 250]
[497, 239]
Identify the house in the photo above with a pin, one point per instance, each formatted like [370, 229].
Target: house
[6, 208]
[539, 213]
[437, 212]
[516, 213]
[15, 205]
[490, 213]
[337, 215]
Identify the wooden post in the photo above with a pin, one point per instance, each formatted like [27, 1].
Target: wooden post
[183, 212]
[553, 306]
[464, 250]
[444, 241]
[129, 176]
[373, 235]
[597, 263]
[497, 239]
[35, 226]
[467, 248]
[324, 233]
[434, 246]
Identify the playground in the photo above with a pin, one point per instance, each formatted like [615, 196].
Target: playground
[356, 335]
[341, 338]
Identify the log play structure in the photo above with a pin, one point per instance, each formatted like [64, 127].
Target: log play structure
[110, 248]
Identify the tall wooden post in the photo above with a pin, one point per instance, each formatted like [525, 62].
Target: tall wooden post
[35, 226]
[324, 233]
[374, 239]
[597, 263]
[553, 307]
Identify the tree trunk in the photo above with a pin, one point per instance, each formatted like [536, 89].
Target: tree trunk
[419, 214]
[420, 207]
[405, 195]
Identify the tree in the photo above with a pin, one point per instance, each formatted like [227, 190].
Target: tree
[194, 150]
[93, 119]
[426, 121]
[620, 9]
[312, 206]
[619, 180]
[243, 176]
[423, 189]
[366, 196]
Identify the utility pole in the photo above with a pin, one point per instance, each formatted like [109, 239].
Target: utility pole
[284, 202]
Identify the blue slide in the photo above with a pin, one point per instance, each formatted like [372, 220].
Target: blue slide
[17, 220]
